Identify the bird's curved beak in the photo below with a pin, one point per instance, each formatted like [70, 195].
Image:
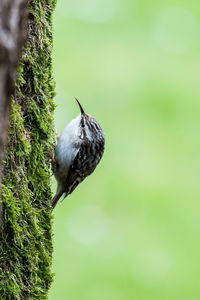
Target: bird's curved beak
[81, 109]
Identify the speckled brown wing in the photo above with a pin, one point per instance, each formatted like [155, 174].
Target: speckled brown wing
[84, 164]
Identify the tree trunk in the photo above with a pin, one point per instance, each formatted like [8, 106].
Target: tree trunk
[12, 32]
[25, 241]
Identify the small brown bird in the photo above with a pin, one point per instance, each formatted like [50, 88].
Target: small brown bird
[78, 151]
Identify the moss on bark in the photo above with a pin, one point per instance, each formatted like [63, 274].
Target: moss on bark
[26, 242]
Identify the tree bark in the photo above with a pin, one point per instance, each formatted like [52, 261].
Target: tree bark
[26, 239]
[12, 31]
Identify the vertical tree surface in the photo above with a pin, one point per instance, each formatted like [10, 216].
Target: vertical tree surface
[12, 32]
[25, 240]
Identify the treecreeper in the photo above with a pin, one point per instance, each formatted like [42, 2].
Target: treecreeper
[78, 151]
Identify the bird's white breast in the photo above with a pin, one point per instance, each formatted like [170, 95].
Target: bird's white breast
[67, 146]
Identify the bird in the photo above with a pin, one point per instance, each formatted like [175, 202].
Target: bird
[79, 149]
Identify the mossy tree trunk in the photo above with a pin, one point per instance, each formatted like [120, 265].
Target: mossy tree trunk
[25, 241]
[12, 33]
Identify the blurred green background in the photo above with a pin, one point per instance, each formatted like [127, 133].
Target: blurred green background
[131, 231]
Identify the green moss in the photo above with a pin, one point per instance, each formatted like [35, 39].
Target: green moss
[26, 242]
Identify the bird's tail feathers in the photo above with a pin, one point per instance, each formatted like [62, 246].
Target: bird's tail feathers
[63, 197]
[56, 198]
